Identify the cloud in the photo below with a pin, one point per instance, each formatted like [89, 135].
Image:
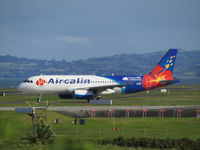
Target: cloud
[75, 39]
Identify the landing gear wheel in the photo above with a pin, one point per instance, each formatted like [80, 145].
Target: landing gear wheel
[98, 97]
[39, 98]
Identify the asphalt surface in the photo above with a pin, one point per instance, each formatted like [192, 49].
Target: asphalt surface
[120, 111]
[105, 108]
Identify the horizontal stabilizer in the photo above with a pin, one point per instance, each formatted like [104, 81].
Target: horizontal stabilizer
[166, 82]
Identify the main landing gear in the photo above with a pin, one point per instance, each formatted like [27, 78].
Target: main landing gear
[96, 98]
[88, 100]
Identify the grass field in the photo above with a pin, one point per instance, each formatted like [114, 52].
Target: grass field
[177, 95]
[13, 126]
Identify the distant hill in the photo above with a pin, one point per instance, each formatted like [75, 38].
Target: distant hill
[187, 65]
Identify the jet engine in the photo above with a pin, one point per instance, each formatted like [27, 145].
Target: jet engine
[77, 94]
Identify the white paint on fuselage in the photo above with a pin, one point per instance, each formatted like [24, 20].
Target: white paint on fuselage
[61, 83]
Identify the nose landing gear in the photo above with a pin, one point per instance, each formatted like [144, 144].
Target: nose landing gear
[39, 98]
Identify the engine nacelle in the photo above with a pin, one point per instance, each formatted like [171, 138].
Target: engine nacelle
[66, 96]
[77, 94]
[83, 94]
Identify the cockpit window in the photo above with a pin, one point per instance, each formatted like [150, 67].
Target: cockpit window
[28, 81]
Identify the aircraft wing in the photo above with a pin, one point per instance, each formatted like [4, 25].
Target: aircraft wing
[99, 89]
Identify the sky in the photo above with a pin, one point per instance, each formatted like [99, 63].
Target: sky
[80, 29]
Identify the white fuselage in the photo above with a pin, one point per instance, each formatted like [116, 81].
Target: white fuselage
[63, 83]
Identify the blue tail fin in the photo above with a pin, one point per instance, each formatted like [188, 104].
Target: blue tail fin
[162, 73]
[168, 61]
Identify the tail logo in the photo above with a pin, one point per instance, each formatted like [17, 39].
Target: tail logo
[169, 62]
[162, 71]
[158, 78]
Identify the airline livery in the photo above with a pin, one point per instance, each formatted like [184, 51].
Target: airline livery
[92, 86]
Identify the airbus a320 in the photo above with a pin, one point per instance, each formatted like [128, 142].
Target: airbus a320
[92, 86]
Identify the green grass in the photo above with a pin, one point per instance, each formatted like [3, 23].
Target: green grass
[129, 127]
[178, 95]
[14, 125]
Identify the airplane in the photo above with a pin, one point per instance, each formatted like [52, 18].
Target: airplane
[92, 86]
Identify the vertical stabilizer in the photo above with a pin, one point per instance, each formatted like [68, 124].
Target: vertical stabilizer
[167, 62]
[162, 71]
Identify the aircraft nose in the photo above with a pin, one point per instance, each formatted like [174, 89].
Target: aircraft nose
[21, 87]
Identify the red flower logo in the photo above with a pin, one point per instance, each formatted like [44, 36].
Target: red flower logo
[40, 82]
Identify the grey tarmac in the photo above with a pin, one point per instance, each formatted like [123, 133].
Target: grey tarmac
[88, 108]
